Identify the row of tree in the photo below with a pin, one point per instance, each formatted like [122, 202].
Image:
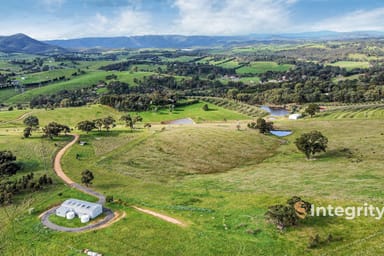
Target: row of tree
[107, 123]
[88, 125]
[27, 183]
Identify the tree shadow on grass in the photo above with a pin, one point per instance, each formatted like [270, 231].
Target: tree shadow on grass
[211, 110]
[337, 153]
[28, 166]
[111, 133]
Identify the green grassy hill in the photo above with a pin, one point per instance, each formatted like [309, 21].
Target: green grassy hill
[215, 178]
[79, 82]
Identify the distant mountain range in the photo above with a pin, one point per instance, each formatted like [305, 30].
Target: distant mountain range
[179, 41]
[21, 43]
[24, 44]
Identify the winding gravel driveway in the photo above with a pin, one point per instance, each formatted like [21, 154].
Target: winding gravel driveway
[110, 216]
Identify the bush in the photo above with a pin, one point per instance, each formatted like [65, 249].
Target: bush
[109, 199]
[288, 215]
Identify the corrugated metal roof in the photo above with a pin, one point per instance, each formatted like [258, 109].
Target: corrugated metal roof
[79, 205]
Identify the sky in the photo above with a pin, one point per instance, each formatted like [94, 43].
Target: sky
[64, 19]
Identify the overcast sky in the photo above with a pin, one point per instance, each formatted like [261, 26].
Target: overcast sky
[60, 19]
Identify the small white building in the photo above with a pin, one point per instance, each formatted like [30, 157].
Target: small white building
[294, 116]
[79, 208]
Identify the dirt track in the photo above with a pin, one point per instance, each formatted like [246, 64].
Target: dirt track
[161, 216]
[110, 218]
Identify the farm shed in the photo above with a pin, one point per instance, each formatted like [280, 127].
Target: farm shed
[294, 116]
[80, 208]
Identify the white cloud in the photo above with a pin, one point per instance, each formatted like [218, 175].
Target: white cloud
[358, 20]
[229, 17]
[125, 22]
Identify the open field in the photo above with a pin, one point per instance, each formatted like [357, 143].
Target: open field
[262, 67]
[79, 82]
[44, 76]
[250, 80]
[62, 115]
[349, 65]
[228, 64]
[343, 78]
[5, 94]
[215, 113]
[91, 112]
[218, 180]
[356, 112]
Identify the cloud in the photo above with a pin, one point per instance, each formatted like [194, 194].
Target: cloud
[358, 20]
[229, 17]
[125, 22]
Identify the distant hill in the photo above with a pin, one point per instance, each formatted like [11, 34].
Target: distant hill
[179, 41]
[21, 43]
[148, 41]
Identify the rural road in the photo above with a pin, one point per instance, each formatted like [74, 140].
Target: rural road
[59, 171]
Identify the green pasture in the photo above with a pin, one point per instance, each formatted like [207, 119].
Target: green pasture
[349, 65]
[217, 179]
[262, 67]
[195, 111]
[79, 82]
[46, 75]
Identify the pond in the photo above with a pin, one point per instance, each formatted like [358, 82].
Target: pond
[275, 111]
[281, 133]
[182, 121]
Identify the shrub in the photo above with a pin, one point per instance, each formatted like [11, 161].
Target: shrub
[288, 215]
[109, 199]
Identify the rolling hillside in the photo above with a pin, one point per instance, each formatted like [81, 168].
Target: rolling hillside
[21, 43]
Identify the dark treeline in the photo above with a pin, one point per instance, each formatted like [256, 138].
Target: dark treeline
[25, 184]
[64, 98]
[123, 66]
[84, 57]
[198, 69]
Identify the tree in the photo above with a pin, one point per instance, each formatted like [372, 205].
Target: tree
[27, 132]
[232, 93]
[86, 126]
[108, 123]
[54, 129]
[311, 143]
[205, 107]
[31, 121]
[87, 177]
[98, 123]
[130, 121]
[312, 109]
[263, 126]
[8, 166]
[290, 214]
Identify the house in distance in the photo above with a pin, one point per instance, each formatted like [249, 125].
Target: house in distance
[82, 209]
